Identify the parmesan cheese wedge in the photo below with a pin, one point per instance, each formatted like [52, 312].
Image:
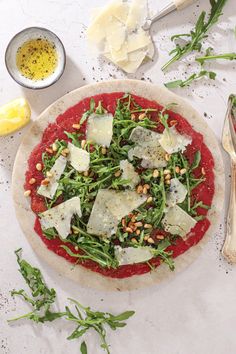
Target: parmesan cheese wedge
[60, 216]
[79, 158]
[109, 208]
[177, 193]
[100, 129]
[129, 173]
[172, 141]
[148, 148]
[132, 255]
[177, 222]
[56, 172]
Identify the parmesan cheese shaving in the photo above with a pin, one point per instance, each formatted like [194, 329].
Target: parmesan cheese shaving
[172, 141]
[131, 255]
[100, 129]
[148, 148]
[108, 209]
[56, 172]
[177, 222]
[129, 173]
[117, 32]
[79, 158]
[60, 216]
[177, 193]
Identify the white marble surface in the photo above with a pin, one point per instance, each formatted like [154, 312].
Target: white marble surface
[193, 313]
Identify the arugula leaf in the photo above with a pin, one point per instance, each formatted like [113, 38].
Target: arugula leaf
[196, 161]
[82, 316]
[87, 113]
[42, 296]
[83, 348]
[193, 77]
[225, 56]
[195, 37]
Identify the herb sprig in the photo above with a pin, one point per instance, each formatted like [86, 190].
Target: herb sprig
[194, 77]
[42, 298]
[195, 37]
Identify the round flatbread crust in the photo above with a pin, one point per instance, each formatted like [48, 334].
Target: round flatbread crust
[26, 217]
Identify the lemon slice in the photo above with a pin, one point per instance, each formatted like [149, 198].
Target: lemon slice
[14, 115]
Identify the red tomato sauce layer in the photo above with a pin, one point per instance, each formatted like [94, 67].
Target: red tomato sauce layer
[204, 191]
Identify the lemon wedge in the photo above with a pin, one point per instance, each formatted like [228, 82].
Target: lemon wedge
[14, 115]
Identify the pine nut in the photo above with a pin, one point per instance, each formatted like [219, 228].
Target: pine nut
[104, 150]
[173, 122]
[76, 126]
[86, 173]
[49, 150]
[203, 171]
[133, 117]
[49, 174]
[166, 172]
[123, 222]
[146, 237]
[150, 240]
[65, 151]
[146, 186]
[54, 147]
[39, 166]
[167, 157]
[177, 169]
[160, 237]
[134, 240]
[27, 193]
[117, 173]
[140, 189]
[138, 232]
[167, 181]
[155, 173]
[145, 190]
[149, 200]
[183, 171]
[83, 142]
[167, 177]
[142, 116]
[129, 230]
[32, 180]
[45, 182]
[147, 226]
[76, 247]
[138, 224]
[133, 219]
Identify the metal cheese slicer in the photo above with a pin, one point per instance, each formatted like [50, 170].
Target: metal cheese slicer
[172, 6]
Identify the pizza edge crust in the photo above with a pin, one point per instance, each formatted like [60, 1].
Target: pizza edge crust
[26, 217]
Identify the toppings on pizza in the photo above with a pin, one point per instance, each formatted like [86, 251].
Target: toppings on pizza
[59, 217]
[127, 184]
[99, 129]
[50, 185]
[79, 158]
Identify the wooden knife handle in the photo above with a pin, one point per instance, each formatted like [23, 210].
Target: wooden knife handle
[181, 4]
[229, 248]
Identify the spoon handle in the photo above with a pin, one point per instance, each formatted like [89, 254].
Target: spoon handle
[172, 6]
[229, 248]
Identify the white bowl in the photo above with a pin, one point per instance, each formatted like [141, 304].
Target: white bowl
[26, 35]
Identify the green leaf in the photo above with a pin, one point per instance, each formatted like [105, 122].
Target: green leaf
[173, 84]
[83, 348]
[196, 161]
[123, 316]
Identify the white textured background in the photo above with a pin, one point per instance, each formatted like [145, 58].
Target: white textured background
[194, 313]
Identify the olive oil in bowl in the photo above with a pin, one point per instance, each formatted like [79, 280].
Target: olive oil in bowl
[37, 59]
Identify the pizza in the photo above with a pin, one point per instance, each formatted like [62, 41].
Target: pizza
[120, 185]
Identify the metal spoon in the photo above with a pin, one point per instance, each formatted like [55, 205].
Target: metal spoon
[172, 6]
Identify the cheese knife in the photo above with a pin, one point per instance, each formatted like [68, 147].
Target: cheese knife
[172, 6]
[229, 144]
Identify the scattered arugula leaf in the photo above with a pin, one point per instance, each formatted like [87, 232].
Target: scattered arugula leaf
[83, 348]
[87, 113]
[83, 317]
[225, 56]
[195, 37]
[183, 83]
